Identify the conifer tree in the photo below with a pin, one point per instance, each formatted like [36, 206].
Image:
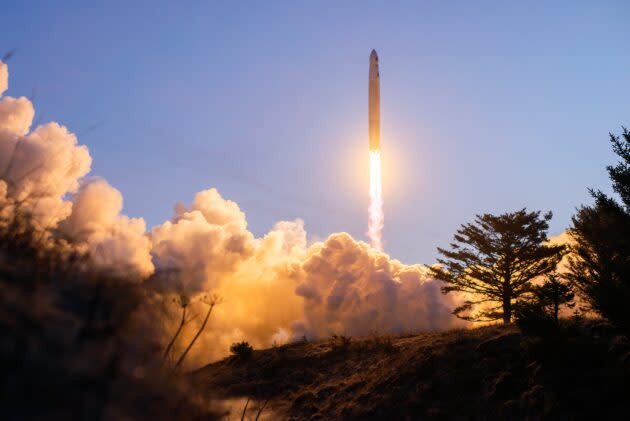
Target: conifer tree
[600, 252]
[494, 260]
[554, 293]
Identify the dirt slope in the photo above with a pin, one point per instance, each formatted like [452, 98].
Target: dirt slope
[488, 373]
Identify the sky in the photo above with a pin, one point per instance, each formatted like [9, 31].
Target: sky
[485, 106]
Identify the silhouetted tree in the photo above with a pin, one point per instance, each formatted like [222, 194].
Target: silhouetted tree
[600, 259]
[553, 293]
[495, 259]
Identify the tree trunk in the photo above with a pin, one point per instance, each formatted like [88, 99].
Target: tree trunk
[507, 309]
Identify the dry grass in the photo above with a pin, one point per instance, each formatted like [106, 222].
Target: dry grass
[490, 373]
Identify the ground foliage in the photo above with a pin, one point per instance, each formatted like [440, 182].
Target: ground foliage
[493, 372]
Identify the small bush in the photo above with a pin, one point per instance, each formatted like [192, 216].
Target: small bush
[553, 294]
[241, 350]
[532, 319]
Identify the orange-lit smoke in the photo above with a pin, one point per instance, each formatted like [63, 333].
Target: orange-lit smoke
[376, 217]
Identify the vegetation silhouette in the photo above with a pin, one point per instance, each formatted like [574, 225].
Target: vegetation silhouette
[600, 252]
[212, 302]
[241, 350]
[183, 302]
[495, 259]
[554, 293]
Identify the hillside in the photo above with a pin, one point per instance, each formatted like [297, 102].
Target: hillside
[492, 372]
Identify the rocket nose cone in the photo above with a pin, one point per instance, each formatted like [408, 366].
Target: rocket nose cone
[373, 56]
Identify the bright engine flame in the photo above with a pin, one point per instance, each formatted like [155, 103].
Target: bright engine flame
[375, 211]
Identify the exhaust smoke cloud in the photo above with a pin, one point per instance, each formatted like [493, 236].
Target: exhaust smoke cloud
[274, 288]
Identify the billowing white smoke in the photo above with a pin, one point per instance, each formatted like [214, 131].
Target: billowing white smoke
[348, 287]
[114, 241]
[203, 244]
[273, 288]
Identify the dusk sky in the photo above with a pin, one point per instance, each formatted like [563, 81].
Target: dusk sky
[486, 106]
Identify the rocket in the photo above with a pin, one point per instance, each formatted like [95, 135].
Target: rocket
[374, 103]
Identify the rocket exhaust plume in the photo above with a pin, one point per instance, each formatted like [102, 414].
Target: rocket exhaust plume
[375, 210]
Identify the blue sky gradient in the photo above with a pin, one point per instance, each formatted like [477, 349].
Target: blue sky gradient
[486, 106]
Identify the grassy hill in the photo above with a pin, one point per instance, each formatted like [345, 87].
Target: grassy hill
[493, 372]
